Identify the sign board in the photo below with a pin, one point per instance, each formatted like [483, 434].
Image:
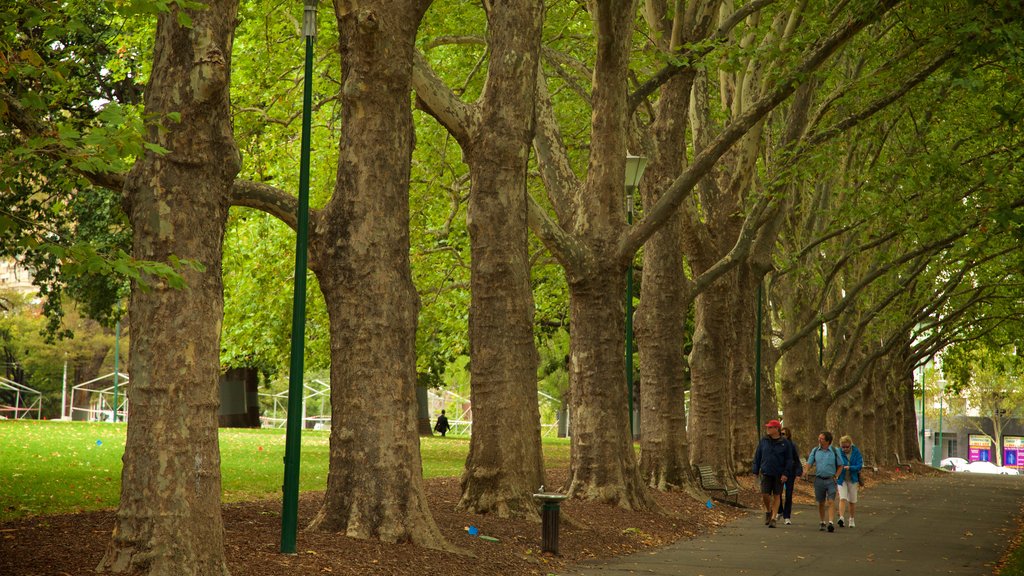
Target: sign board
[1013, 452]
[979, 448]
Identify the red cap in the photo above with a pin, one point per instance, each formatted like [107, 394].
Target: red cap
[773, 424]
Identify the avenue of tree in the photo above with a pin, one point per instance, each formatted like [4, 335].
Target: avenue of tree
[840, 178]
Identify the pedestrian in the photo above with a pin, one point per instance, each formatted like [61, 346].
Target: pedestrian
[786, 502]
[850, 479]
[828, 465]
[442, 424]
[772, 460]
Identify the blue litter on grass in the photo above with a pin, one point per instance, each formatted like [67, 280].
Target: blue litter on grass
[99, 442]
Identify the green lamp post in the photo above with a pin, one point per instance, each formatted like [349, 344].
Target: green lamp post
[293, 435]
[635, 166]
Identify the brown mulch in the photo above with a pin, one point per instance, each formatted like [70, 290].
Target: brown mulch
[73, 544]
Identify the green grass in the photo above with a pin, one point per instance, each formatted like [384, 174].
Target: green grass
[1014, 563]
[56, 467]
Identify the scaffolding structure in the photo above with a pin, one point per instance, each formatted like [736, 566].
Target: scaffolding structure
[459, 411]
[18, 401]
[100, 403]
[316, 394]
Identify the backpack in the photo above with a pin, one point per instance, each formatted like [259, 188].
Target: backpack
[835, 454]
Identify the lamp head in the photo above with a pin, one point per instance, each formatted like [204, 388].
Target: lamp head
[309, 18]
[635, 166]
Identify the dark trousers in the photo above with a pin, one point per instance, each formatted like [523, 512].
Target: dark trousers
[786, 502]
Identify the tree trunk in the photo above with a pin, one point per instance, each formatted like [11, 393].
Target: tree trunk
[360, 252]
[505, 464]
[665, 303]
[169, 521]
[747, 428]
[603, 463]
[660, 330]
[711, 435]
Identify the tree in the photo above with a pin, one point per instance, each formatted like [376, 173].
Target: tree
[505, 464]
[177, 204]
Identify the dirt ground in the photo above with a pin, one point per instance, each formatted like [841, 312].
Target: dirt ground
[73, 544]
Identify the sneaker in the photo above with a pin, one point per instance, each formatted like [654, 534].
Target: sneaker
[771, 523]
[831, 527]
[851, 522]
[767, 518]
[822, 528]
[841, 523]
[788, 522]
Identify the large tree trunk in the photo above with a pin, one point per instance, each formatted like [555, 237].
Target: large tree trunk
[169, 521]
[711, 435]
[804, 393]
[360, 253]
[661, 325]
[746, 426]
[505, 464]
[663, 310]
[603, 463]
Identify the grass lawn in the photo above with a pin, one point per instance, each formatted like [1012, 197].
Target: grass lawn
[53, 467]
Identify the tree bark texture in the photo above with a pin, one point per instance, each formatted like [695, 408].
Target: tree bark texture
[747, 428]
[664, 307]
[168, 521]
[359, 246]
[505, 464]
[711, 440]
[804, 392]
[603, 464]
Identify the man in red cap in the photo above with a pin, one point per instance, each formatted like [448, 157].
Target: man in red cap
[774, 457]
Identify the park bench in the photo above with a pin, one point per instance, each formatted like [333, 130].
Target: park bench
[710, 483]
[900, 465]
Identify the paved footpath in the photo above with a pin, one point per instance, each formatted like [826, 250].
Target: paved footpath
[950, 524]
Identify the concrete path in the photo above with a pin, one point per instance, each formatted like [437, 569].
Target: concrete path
[950, 524]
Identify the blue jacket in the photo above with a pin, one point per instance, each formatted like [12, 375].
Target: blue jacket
[773, 457]
[856, 463]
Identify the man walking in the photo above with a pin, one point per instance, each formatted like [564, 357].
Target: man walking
[442, 424]
[772, 461]
[828, 465]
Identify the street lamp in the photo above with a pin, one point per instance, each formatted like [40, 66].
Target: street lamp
[293, 433]
[634, 171]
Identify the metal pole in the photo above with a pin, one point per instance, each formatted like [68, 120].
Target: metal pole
[64, 388]
[924, 374]
[629, 316]
[937, 458]
[757, 364]
[293, 435]
[117, 358]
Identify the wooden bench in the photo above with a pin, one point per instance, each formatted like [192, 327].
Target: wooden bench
[710, 483]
